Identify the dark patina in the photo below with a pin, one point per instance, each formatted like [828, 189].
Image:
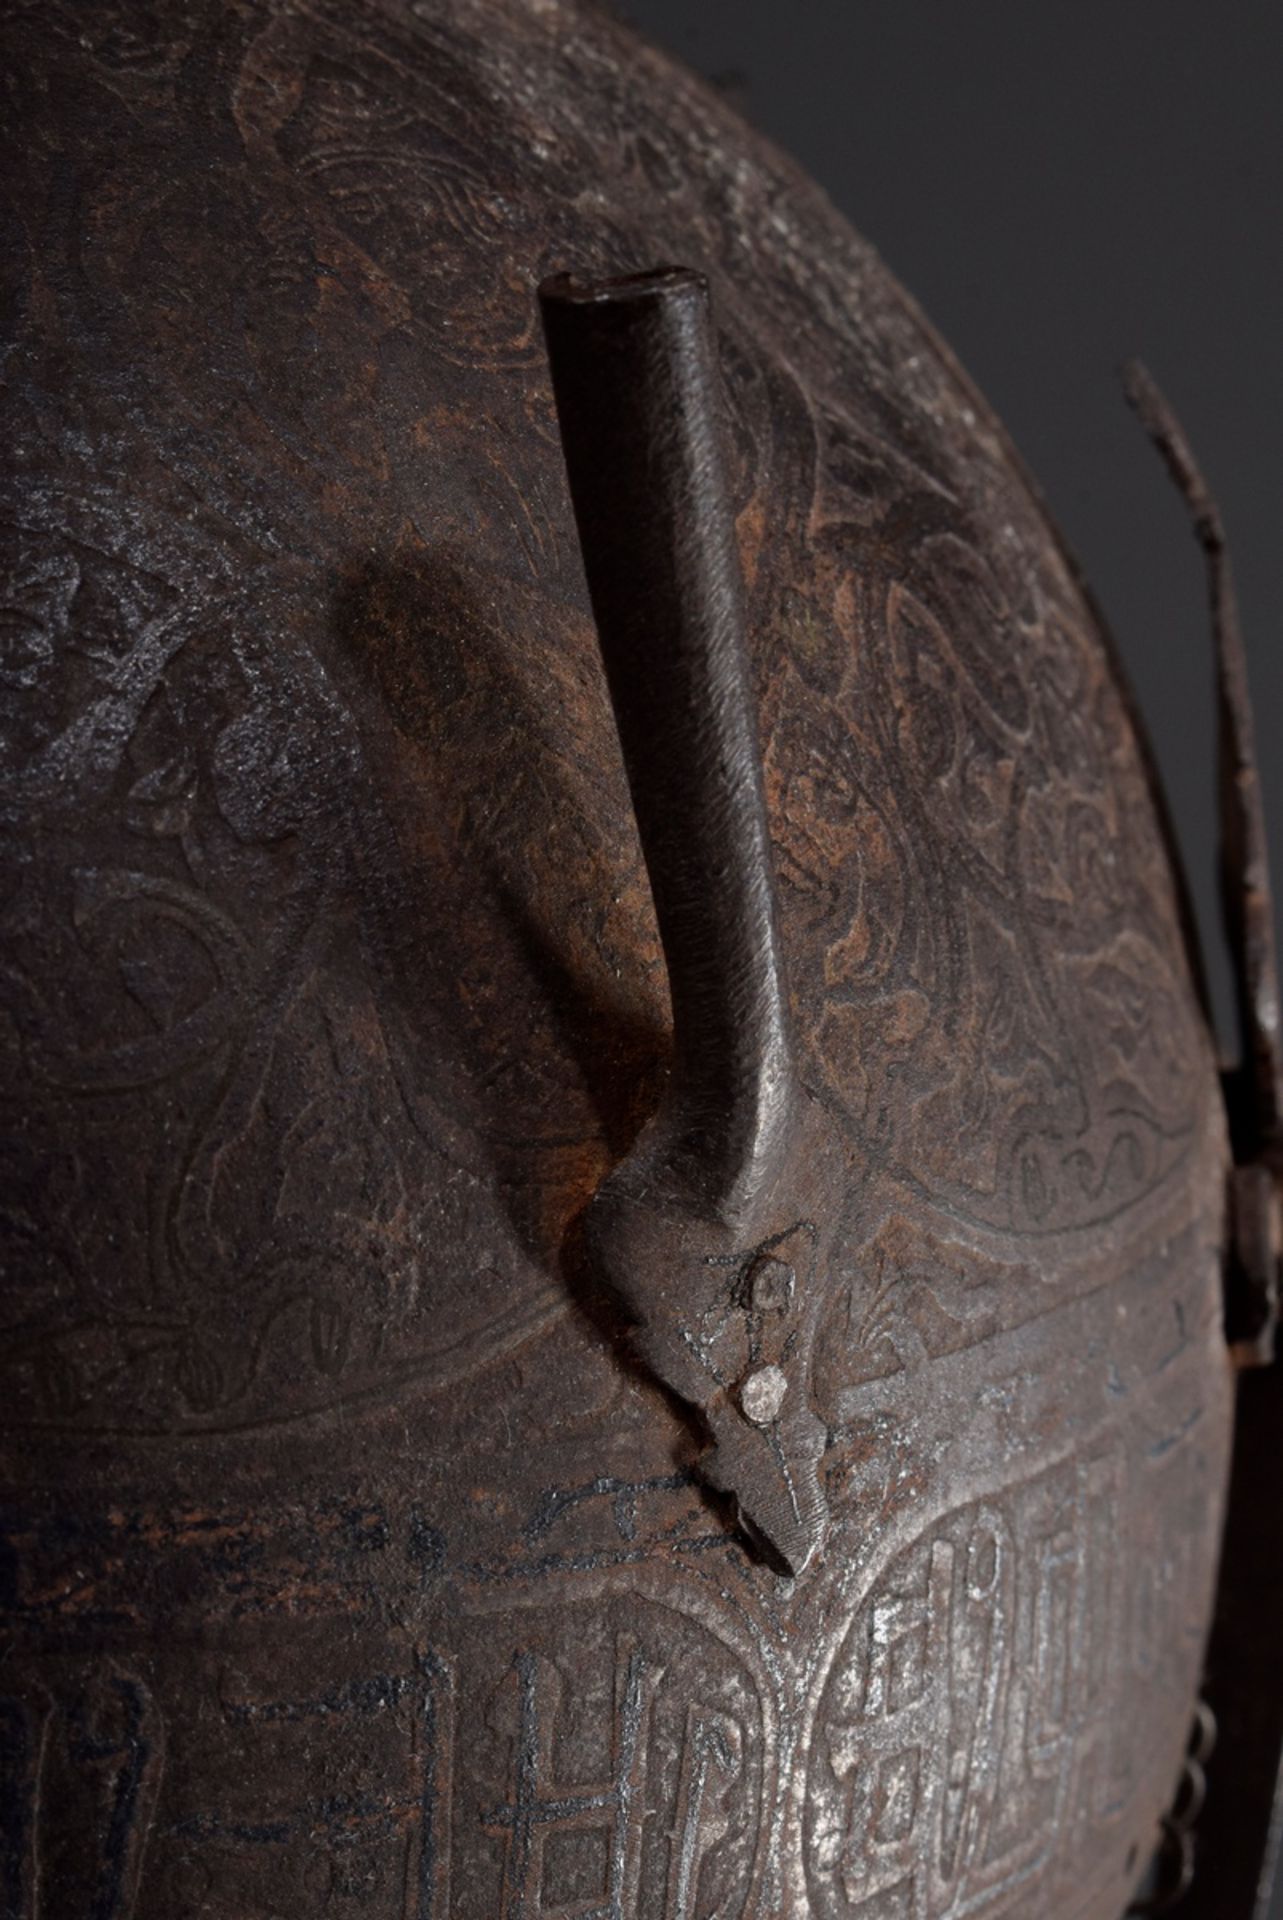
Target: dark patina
[614, 1279]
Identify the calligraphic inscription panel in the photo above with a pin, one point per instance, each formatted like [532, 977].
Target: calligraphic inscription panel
[332, 986]
[610, 1709]
[349, 1564]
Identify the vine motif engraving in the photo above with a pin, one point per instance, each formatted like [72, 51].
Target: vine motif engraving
[331, 992]
[348, 817]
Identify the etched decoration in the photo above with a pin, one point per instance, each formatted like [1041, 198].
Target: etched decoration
[384, 1531]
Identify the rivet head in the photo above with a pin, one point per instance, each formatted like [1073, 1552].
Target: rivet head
[762, 1395]
[771, 1285]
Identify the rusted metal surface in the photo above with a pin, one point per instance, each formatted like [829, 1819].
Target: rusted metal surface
[1236, 1851]
[737, 1155]
[354, 1562]
[1254, 1083]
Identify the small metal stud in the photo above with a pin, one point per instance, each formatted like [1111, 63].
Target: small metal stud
[762, 1395]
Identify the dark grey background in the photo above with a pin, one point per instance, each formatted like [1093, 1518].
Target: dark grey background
[1062, 183]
